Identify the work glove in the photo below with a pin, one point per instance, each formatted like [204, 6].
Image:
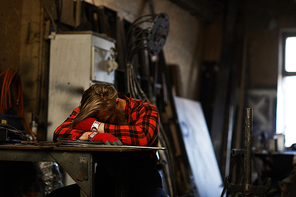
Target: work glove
[106, 138]
[88, 124]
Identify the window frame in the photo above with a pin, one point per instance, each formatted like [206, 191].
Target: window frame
[283, 35]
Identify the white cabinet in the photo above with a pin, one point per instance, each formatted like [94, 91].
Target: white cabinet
[77, 60]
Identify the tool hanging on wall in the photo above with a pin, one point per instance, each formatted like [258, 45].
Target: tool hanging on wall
[12, 96]
[155, 29]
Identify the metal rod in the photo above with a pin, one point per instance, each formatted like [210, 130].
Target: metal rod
[248, 151]
[247, 188]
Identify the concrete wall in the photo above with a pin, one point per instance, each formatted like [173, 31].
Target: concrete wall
[263, 20]
[21, 40]
[10, 34]
[22, 48]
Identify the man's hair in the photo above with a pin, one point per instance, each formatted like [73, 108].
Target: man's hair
[100, 96]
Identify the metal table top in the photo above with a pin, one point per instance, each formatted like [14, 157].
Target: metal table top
[77, 147]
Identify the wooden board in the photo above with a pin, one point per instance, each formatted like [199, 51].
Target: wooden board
[199, 147]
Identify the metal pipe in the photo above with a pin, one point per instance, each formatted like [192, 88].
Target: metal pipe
[247, 188]
[248, 151]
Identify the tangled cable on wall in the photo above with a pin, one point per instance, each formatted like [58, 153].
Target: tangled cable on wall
[155, 29]
[12, 95]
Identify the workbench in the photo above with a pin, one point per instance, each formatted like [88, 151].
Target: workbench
[77, 161]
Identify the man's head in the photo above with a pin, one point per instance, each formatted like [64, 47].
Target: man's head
[99, 101]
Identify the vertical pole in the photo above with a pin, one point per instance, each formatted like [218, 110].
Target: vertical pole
[248, 149]
[78, 13]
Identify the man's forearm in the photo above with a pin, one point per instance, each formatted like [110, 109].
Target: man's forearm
[86, 134]
[101, 128]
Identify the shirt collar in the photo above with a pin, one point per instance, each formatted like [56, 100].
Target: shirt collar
[127, 99]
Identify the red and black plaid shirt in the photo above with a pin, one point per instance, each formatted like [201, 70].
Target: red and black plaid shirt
[142, 128]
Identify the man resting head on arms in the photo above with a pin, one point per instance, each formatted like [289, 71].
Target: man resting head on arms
[105, 114]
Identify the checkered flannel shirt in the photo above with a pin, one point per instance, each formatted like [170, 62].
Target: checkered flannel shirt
[142, 128]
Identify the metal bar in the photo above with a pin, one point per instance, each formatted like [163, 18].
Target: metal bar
[78, 13]
[248, 151]
[24, 155]
[247, 188]
[219, 114]
[235, 152]
[80, 147]
[80, 166]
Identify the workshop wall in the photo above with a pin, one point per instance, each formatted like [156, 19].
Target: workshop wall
[263, 20]
[21, 43]
[23, 48]
[262, 23]
[10, 13]
[25, 45]
[184, 42]
[189, 42]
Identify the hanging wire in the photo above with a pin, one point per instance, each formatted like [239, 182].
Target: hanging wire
[140, 39]
[135, 32]
[14, 130]
[135, 43]
[136, 23]
[12, 95]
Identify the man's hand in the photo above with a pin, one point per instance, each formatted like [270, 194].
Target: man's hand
[106, 138]
[88, 124]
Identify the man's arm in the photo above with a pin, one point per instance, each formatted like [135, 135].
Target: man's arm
[144, 132]
[65, 130]
[85, 135]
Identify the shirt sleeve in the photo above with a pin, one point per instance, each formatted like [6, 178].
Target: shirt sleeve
[65, 130]
[144, 131]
